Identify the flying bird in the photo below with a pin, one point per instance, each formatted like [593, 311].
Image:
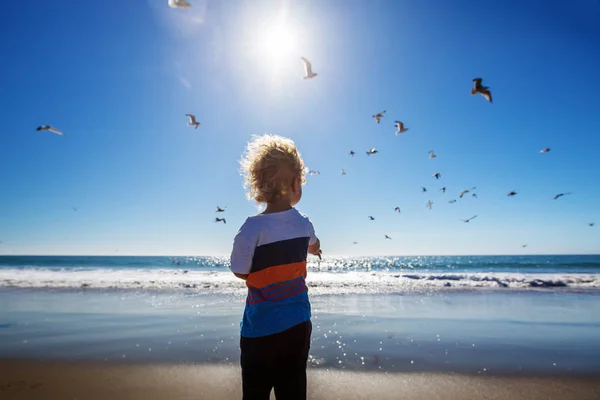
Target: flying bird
[464, 192]
[183, 4]
[354, 242]
[443, 189]
[512, 193]
[378, 116]
[74, 208]
[343, 172]
[469, 219]
[437, 175]
[429, 204]
[220, 220]
[308, 69]
[432, 154]
[397, 209]
[525, 245]
[423, 189]
[220, 209]
[561, 195]
[352, 153]
[314, 172]
[400, 128]
[592, 224]
[192, 121]
[451, 201]
[372, 151]
[49, 128]
[387, 237]
[474, 195]
[371, 218]
[546, 150]
[482, 90]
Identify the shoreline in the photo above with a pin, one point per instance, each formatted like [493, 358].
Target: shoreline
[21, 379]
[531, 333]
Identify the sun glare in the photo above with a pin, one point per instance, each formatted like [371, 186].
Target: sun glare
[275, 44]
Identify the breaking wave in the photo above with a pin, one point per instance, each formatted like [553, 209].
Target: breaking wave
[320, 283]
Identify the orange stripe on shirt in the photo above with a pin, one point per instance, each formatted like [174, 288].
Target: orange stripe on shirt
[275, 274]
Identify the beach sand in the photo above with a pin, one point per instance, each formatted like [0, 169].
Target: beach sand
[64, 380]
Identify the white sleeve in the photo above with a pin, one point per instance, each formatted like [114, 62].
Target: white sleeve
[312, 236]
[243, 250]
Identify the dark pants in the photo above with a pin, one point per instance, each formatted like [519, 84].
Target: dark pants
[276, 361]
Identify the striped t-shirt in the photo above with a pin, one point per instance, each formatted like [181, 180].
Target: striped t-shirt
[272, 250]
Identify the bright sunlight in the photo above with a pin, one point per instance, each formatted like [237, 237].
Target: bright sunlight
[275, 43]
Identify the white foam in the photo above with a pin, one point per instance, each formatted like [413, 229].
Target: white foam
[318, 282]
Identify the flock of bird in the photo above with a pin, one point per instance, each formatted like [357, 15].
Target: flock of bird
[478, 88]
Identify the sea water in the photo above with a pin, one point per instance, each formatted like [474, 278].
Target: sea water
[331, 276]
[481, 315]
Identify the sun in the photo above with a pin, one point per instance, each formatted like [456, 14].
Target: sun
[276, 43]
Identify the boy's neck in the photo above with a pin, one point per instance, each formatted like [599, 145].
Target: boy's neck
[278, 206]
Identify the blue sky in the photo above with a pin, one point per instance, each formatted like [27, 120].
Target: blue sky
[119, 77]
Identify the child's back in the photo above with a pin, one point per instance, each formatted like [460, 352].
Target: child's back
[270, 252]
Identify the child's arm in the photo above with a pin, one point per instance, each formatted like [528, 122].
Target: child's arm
[315, 248]
[243, 251]
[314, 244]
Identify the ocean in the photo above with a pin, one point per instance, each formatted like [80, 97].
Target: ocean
[473, 314]
[367, 275]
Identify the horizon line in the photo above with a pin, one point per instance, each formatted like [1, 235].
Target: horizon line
[324, 256]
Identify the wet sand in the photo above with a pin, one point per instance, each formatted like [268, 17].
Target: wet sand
[79, 380]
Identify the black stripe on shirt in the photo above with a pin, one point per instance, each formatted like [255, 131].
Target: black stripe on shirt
[279, 253]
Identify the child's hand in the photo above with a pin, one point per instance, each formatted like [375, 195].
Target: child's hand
[315, 249]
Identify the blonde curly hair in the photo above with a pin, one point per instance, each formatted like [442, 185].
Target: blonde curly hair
[269, 165]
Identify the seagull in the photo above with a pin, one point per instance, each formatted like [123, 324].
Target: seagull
[463, 193]
[378, 116]
[372, 151]
[49, 128]
[525, 245]
[423, 189]
[387, 237]
[308, 69]
[183, 4]
[482, 90]
[512, 193]
[314, 172]
[592, 224]
[470, 219]
[400, 128]
[443, 189]
[220, 220]
[437, 175]
[474, 195]
[430, 204]
[343, 172]
[219, 209]
[561, 195]
[451, 201]
[371, 218]
[432, 154]
[74, 208]
[354, 242]
[546, 150]
[397, 209]
[193, 121]
[352, 153]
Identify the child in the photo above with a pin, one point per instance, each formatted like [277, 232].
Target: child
[269, 253]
